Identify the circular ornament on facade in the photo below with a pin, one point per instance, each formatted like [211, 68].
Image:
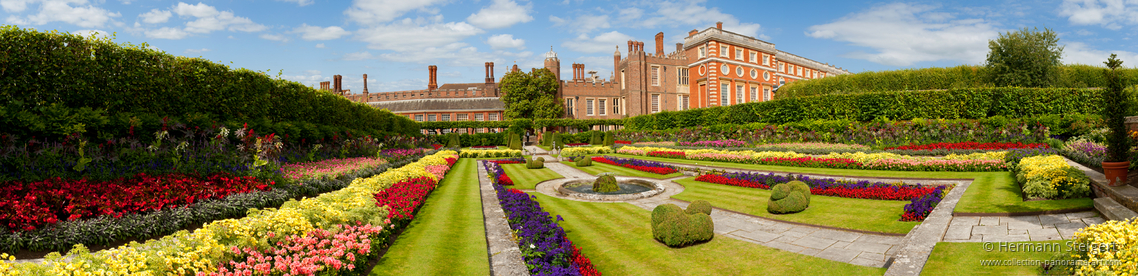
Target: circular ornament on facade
[739, 70]
[725, 70]
[754, 74]
[702, 70]
[766, 75]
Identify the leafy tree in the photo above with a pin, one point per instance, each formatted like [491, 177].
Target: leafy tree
[531, 95]
[1025, 58]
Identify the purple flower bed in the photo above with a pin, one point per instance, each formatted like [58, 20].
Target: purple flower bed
[544, 245]
[729, 143]
[919, 208]
[638, 162]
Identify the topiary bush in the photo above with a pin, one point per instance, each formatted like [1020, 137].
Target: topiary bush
[538, 163]
[699, 206]
[596, 138]
[790, 197]
[605, 184]
[608, 138]
[584, 161]
[515, 141]
[454, 142]
[675, 227]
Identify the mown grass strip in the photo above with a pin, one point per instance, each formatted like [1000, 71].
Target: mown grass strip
[448, 230]
[527, 179]
[972, 258]
[618, 240]
[599, 167]
[990, 192]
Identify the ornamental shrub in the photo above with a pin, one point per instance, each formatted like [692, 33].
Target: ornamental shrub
[1107, 248]
[515, 141]
[674, 227]
[608, 138]
[597, 138]
[1051, 177]
[605, 184]
[699, 206]
[790, 197]
[538, 163]
[584, 161]
[454, 141]
[558, 141]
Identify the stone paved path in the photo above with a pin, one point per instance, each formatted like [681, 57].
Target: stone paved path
[843, 246]
[505, 257]
[1019, 228]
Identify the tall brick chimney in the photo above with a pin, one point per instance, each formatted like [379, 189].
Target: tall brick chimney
[719, 25]
[486, 67]
[325, 85]
[630, 47]
[492, 78]
[365, 84]
[693, 32]
[615, 62]
[432, 83]
[336, 84]
[679, 47]
[660, 44]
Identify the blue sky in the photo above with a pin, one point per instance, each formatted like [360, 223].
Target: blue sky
[393, 41]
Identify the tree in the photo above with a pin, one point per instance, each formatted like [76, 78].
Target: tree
[531, 95]
[1025, 58]
[1115, 104]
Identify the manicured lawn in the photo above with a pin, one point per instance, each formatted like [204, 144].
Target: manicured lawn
[990, 192]
[599, 167]
[849, 213]
[527, 179]
[447, 229]
[618, 239]
[964, 258]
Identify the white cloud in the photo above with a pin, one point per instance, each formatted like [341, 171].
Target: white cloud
[359, 56]
[1081, 53]
[76, 12]
[500, 14]
[1108, 13]
[308, 77]
[209, 19]
[299, 2]
[383, 11]
[275, 37]
[902, 35]
[155, 16]
[167, 33]
[320, 45]
[694, 13]
[317, 33]
[605, 42]
[97, 33]
[406, 36]
[196, 51]
[582, 24]
[503, 41]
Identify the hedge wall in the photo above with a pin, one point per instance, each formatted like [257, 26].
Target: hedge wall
[54, 84]
[967, 103]
[965, 76]
[581, 125]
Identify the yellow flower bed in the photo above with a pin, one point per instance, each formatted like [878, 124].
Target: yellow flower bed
[490, 153]
[1110, 248]
[579, 151]
[186, 253]
[1051, 177]
[991, 155]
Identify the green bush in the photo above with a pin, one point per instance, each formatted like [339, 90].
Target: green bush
[608, 138]
[676, 228]
[515, 141]
[584, 161]
[557, 140]
[605, 184]
[790, 197]
[538, 163]
[699, 206]
[596, 138]
[98, 88]
[454, 141]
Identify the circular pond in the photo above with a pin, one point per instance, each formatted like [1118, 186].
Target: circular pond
[630, 189]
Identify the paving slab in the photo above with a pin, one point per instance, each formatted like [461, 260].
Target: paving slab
[1045, 234]
[870, 247]
[1022, 222]
[989, 221]
[968, 221]
[990, 230]
[867, 262]
[959, 231]
[845, 236]
[814, 242]
[759, 236]
[1052, 220]
[838, 254]
[1006, 238]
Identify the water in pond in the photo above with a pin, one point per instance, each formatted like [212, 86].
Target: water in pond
[625, 188]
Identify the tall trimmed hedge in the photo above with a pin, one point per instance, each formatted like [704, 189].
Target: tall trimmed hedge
[966, 103]
[964, 76]
[54, 84]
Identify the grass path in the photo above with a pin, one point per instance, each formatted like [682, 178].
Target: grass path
[990, 192]
[618, 240]
[527, 179]
[849, 213]
[599, 167]
[964, 258]
[448, 230]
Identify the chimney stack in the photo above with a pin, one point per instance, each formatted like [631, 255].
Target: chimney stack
[432, 83]
[660, 44]
[336, 84]
[693, 32]
[719, 25]
[515, 69]
[365, 84]
[679, 47]
[486, 66]
[492, 78]
[325, 85]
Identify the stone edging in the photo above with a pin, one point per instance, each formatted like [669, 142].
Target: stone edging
[920, 241]
[504, 255]
[1033, 213]
[619, 197]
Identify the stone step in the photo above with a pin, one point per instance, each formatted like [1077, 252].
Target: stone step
[1113, 210]
[1125, 196]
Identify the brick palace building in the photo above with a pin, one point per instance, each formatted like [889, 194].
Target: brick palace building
[713, 67]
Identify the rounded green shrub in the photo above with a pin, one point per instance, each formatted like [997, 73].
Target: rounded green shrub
[699, 206]
[605, 184]
[584, 161]
[454, 142]
[676, 228]
[515, 141]
[596, 138]
[790, 197]
[538, 163]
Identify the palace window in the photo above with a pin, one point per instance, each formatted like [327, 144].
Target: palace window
[766, 60]
[754, 94]
[725, 70]
[739, 94]
[431, 118]
[493, 116]
[446, 118]
[739, 54]
[655, 103]
[799, 71]
[739, 71]
[686, 106]
[655, 75]
[766, 94]
[702, 52]
[754, 57]
[724, 94]
[682, 75]
[615, 105]
[601, 107]
[478, 117]
[723, 52]
[783, 67]
[463, 117]
[754, 73]
[569, 106]
[589, 107]
[766, 75]
[419, 117]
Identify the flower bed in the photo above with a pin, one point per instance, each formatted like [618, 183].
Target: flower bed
[923, 198]
[497, 174]
[544, 245]
[636, 164]
[344, 248]
[570, 145]
[715, 144]
[813, 147]
[1085, 152]
[1051, 177]
[30, 205]
[667, 154]
[437, 146]
[490, 153]
[1107, 248]
[330, 167]
[517, 160]
[971, 146]
[211, 246]
[985, 161]
[484, 147]
[623, 142]
[582, 151]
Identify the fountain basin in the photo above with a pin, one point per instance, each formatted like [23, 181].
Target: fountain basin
[630, 189]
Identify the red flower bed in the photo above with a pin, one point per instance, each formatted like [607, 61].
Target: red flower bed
[719, 179]
[970, 146]
[437, 146]
[505, 180]
[584, 265]
[812, 162]
[655, 170]
[404, 197]
[622, 142]
[667, 154]
[883, 193]
[34, 204]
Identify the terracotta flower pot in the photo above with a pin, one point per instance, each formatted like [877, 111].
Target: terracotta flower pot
[1115, 172]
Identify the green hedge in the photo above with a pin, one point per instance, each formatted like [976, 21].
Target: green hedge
[55, 84]
[969, 103]
[468, 140]
[965, 76]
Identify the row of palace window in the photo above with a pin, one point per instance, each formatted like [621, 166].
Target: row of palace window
[799, 71]
[752, 55]
[459, 117]
[725, 92]
[681, 75]
[766, 61]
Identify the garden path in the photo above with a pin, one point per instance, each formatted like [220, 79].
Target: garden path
[832, 244]
[1019, 228]
[505, 256]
